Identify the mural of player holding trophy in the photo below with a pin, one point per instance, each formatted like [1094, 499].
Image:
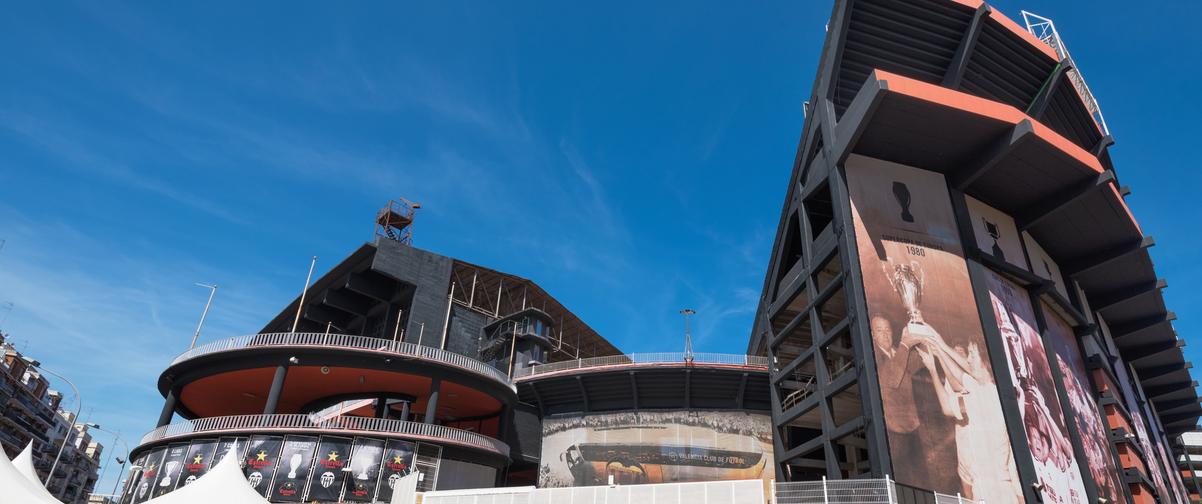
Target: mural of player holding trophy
[1095, 435]
[1035, 390]
[941, 401]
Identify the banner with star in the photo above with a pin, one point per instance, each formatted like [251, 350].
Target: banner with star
[296, 462]
[170, 469]
[262, 455]
[365, 469]
[398, 461]
[150, 471]
[133, 481]
[325, 483]
[196, 464]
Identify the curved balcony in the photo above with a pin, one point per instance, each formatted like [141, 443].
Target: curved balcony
[345, 342]
[303, 424]
[645, 359]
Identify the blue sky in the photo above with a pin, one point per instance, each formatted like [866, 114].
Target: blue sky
[631, 158]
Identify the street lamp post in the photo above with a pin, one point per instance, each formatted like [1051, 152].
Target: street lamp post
[78, 408]
[688, 337]
[122, 460]
[212, 292]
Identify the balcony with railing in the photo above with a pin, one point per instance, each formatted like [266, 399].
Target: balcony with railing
[645, 359]
[345, 342]
[344, 425]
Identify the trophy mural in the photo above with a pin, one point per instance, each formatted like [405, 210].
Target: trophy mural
[908, 281]
[995, 233]
[902, 193]
[364, 465]
[294, 463]
[166, 481]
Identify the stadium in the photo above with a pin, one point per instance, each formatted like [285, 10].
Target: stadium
[958, 303]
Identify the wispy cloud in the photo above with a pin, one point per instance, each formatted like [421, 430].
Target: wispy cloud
[112, 318]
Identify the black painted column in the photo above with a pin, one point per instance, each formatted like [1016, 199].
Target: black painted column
[168, 409]
[432, 404]
[503, 421]
[277, 386]
[381, 407]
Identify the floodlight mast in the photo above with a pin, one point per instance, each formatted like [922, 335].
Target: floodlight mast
[1045, 30]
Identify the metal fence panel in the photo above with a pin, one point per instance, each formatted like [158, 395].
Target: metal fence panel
[713, 492]
[853, 491]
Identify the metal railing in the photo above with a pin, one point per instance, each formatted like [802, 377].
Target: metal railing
[643, 359]
[253, 423]
[346, 341]
[849, 491]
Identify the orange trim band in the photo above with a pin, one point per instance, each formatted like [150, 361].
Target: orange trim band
[985, 107]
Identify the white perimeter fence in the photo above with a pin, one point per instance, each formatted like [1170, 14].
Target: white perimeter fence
[711, 492]
[851, 491]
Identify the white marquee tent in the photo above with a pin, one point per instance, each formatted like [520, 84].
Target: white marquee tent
[224, 484]
[17, 488]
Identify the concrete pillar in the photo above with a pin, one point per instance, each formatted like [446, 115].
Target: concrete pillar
[277, 386]
[381, 407]
[405, 411]
[503, 421]
[168, 409]
[432, 404]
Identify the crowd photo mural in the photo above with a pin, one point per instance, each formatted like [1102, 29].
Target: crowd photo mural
[937, 385]
[655, 447]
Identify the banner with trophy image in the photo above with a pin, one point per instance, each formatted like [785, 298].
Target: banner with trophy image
[996, 233]
[398, 461]
[365, 469]
[1035, 391]
[325, 483]
[169, 471]
[942, 410]
[295, 461]
[1095, 435]
[262, 453]
[196, 464]
[655, 447]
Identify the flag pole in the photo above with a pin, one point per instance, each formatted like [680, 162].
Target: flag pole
[301, 305]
